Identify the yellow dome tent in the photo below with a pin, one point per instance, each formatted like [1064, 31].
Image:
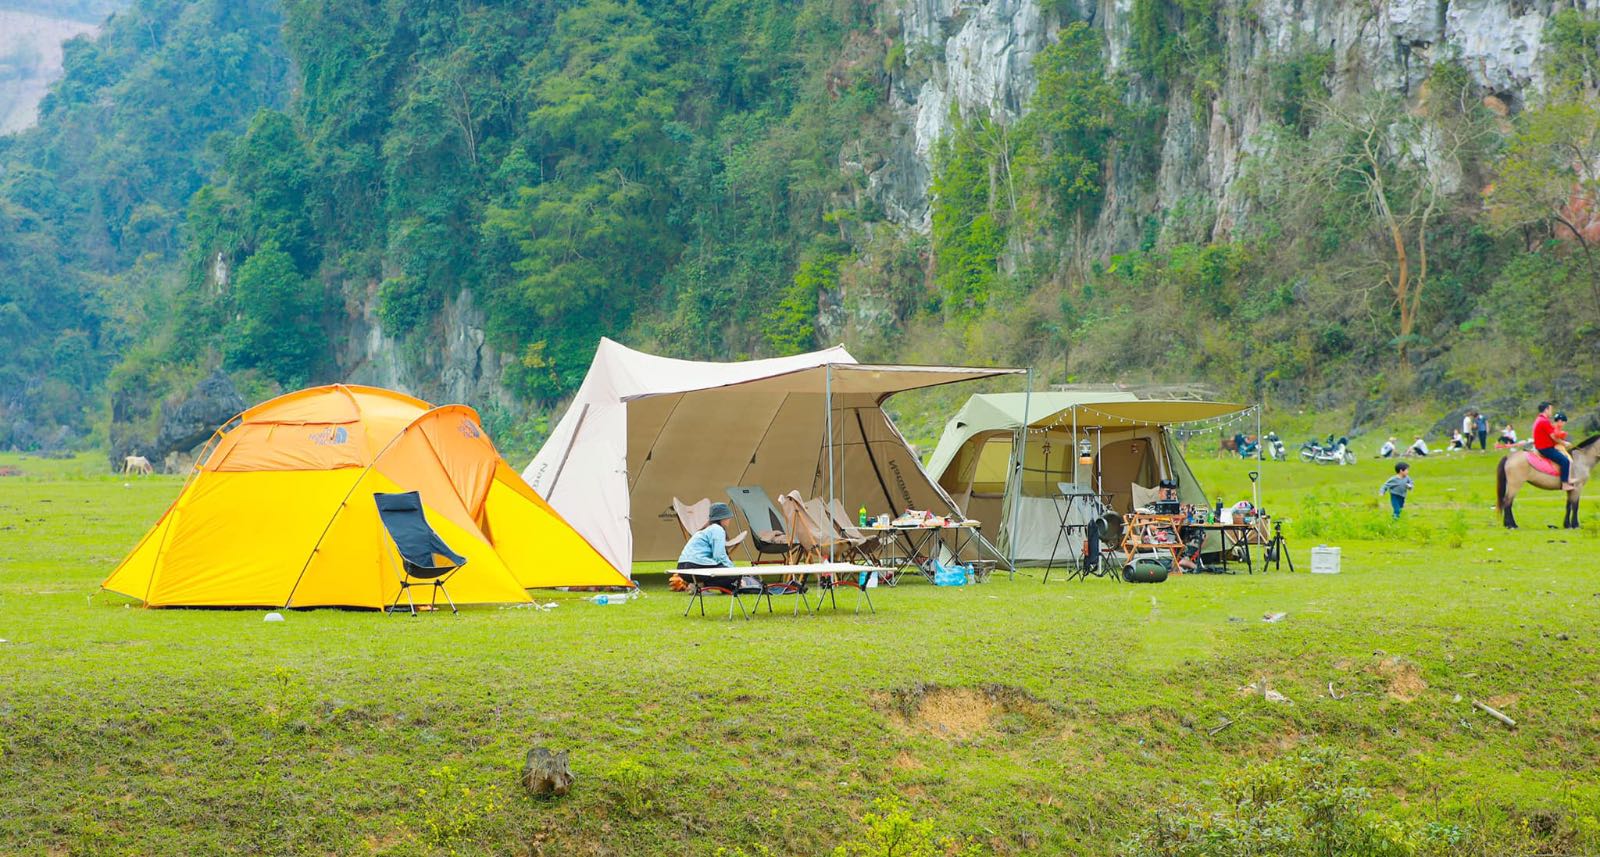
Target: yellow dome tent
[279, 511]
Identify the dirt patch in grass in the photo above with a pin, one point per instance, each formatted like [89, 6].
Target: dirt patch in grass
[956, 713]
[1401, 678]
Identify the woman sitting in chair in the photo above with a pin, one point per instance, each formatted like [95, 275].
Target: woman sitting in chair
[709, 547]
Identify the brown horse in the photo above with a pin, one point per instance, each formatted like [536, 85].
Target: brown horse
[1514, 471]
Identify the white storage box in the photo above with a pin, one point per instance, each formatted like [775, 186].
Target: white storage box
[1324, 560]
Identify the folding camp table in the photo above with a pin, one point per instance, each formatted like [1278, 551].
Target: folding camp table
[1235, 537]
[826, 575]
[917, 539]
[1065, 498]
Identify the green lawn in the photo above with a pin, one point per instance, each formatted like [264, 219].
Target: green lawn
[1028, 718]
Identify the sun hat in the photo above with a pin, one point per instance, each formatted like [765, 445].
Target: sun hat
[720, 512]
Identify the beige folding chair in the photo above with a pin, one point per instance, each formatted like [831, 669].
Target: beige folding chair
[811, 538]
[865, 545]
[693, 517]
[1142, 496]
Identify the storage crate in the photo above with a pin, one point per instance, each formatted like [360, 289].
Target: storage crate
[1324, 560]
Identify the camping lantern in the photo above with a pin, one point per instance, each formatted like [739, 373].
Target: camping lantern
[1085, 452]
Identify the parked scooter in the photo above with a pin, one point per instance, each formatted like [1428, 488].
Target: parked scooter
[1274, 447]
[1334, 452]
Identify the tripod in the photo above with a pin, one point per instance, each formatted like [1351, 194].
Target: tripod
[1277, 550]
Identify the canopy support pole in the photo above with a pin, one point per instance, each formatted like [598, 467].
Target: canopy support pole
[1256, 482]
[827, 398]
[1020, 470]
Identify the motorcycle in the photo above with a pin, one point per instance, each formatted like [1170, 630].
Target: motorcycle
[1275, 446]
[1335, 452]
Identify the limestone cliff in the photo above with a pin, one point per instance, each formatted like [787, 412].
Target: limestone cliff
[974, 57]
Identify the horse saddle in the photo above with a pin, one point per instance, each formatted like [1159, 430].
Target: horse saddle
[1542, 464]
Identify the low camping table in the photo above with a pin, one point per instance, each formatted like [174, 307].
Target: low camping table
[1234, 537]
[825, 573]
[917, 539]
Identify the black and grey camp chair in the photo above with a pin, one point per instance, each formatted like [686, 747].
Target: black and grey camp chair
[419, 547]
[768, 532]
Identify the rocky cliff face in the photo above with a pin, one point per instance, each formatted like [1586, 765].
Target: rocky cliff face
[452, 363]
[974, 58]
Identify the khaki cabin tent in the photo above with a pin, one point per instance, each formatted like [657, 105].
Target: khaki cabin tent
[279, 511]
[644, 429]
[1131, 443]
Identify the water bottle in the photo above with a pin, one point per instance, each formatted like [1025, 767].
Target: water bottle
[863, 516]
[605, 598]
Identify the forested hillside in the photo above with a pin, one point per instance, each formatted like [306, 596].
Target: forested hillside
[1328, 205]
[93, 199]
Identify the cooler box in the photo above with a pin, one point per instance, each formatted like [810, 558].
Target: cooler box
[1324, 560]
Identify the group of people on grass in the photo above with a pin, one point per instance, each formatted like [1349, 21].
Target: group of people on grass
[1549, 441]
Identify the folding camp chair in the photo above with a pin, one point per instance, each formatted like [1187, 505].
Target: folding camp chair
[693, 517]
[865, 545]
[768, 535]
[419, 548]
[812, 535]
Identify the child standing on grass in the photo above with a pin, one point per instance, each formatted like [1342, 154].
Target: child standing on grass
[1398, 486]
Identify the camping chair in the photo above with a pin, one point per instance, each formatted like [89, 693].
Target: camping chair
[865, 545]
[419, 547]
[693, 517]
[768, 535]
[807, 536]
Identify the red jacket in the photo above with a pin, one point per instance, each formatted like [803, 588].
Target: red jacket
[1545, 434]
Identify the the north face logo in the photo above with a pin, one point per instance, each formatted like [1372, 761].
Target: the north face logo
[331, 436]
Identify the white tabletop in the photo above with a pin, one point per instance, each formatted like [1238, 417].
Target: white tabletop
[781, 570]
[964, 525]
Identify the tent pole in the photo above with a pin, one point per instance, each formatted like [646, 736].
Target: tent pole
[1021, 447]
[1074, 450]
[1258, 468]
[827, 399]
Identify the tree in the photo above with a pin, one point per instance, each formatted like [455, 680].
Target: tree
[276, 327]
[1071, 122]
[1549, 176]
[1408, 167]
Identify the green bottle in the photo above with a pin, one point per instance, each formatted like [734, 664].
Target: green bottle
[863, 516]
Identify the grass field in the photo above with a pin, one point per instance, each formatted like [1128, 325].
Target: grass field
[1077, 718]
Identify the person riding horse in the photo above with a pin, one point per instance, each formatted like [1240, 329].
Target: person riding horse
[1547, 437]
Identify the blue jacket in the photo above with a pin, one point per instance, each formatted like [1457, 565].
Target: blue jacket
[707, 547]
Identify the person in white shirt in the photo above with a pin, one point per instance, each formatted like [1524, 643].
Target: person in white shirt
[1418, 447]
[1388, 449]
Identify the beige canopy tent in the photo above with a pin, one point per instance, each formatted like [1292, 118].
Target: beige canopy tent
[1130, 442]
[644, 429]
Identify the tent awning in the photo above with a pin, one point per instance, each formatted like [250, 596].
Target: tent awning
[1144, 412]
[852, 379]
